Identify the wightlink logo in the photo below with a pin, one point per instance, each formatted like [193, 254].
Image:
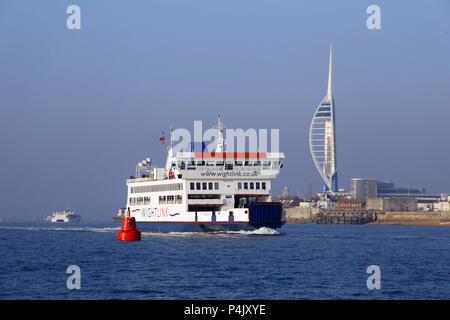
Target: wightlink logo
[230, 174]
[220, 140]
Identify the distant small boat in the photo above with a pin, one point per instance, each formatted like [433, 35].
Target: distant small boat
[64, 216]
[120, 215]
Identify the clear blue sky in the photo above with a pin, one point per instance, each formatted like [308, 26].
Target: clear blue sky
[79, 108]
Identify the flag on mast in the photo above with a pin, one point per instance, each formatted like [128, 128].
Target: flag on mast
[163, 138]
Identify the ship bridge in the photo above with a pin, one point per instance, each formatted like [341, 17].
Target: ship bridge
[226, 165]
[218, 180]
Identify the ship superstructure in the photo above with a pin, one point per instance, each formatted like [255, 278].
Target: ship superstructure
[206, 191]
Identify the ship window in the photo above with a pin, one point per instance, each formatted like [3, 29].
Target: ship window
[216, 185]
[238, 163]
[170, 199]
[263, 185]
[219, 164]
[157, 188]
[276, 164]
[246, 163]
[210, 163]
[252, 185]
[146, 200]
[257, 163]
[229, 165]
[191, 165]
[204, 185]
[210, 185]
[200, 163]
[239, 185]
[181, 165]
[179, 199]
[192, 186]
[198, 185]
[245, 185]
[257, 185]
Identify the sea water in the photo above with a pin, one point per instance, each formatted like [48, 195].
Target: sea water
[298, 261]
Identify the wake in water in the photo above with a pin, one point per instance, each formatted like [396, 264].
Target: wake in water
[73, 229]
[258, 232]
[261, 231]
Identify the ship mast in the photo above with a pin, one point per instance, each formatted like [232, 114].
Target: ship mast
[169, 150]
[220, 140]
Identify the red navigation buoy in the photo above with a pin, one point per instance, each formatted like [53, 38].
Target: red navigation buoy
[128, 230]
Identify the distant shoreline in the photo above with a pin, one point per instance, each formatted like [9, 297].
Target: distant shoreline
[397, 218]
[385, 223]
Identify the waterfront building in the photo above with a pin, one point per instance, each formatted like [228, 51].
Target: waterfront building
[287, 202]
[391, 204]
[322, 137]
[350, 204]
[388, 189]
[363, 188]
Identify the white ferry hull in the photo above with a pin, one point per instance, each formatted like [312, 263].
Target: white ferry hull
[64, 216]
[76, 219]
[268, 215]
[194, 226]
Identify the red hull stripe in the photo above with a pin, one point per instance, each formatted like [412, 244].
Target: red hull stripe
[191, 221]
[230, 154]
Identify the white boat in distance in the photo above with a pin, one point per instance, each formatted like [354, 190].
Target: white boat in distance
[64, 216]
[122, 213]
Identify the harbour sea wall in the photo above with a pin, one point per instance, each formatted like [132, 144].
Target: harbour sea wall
[412, 218]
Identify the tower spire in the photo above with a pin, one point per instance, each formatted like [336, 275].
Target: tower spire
[329, 91]
[322, 136]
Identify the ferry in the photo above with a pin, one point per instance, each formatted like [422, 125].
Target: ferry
[206, 191]
[64, 216]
